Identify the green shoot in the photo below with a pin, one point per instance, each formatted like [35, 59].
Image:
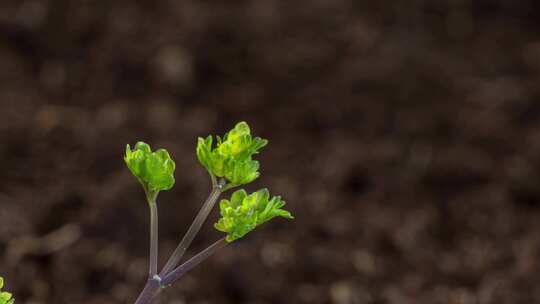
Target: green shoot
[155, 172]
[230, 161]
[230, 164]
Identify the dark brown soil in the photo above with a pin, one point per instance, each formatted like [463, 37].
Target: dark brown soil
[405, 137]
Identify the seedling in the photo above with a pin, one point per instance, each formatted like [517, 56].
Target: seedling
[5, 297]
[230, 164]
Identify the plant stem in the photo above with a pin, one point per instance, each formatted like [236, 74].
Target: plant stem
[193, 229]
[179, 271]
[151, 289]
[153, 238]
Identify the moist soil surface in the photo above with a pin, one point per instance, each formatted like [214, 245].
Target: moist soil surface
[404, 136]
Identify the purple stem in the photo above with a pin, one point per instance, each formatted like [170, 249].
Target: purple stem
[151, 289]
[179, 271]
[153, 239]
[193, 229]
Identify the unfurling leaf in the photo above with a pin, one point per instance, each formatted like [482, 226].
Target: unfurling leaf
[243, 212]
[231, 157]
[154, 170]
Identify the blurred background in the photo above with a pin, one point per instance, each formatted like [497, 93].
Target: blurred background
[404, 136]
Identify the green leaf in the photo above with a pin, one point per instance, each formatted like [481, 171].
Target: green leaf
[231, 158]
[154, 170]
[240, 172]
[243, 212]
[5, 297]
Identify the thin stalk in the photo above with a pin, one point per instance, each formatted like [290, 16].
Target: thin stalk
[179, 271]
[153, 238]
[193, 229]
[213, 179]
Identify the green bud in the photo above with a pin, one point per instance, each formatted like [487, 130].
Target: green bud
[5, 297]
[231, 158]
[243, 212]
[154, 170]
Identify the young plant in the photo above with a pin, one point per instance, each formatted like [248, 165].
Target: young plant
[230, 164]
[5, 297]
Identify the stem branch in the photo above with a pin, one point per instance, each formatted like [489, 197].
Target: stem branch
[193, 229]
[179, 271]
